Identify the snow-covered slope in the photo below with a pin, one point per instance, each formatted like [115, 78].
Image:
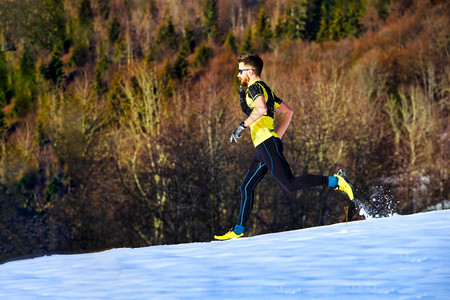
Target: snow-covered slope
[401, 257]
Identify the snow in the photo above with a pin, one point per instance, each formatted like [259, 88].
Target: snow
[400, 257]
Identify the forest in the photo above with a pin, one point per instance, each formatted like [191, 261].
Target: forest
[115, 116]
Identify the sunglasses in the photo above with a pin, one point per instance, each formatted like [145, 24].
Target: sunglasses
[242, 70]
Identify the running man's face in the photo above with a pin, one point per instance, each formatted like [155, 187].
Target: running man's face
[243, 73]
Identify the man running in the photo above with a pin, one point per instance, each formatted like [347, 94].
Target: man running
[259, 103]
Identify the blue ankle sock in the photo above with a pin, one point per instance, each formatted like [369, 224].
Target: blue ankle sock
[332, 181]
[238, 229]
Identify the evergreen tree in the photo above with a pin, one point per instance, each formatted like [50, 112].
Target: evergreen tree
[100, 85]
[2, 122]
[263, 30]
[247, 46]
[166, 80]
[105, 8]
[188, 38]
[85, 14]
[210, 23]
[167, 35]
[3, 79]
[83, 34]
[340, 19]
[279, 31]
[383, 8]
[25, 84]
[230, 41]
[171, 34]
[325, 21]
[295, 24]
[4, 88]
[202, 55]
[26, 67]
[181, 65]
[312, 20]
[114, 30]
[153, 8]
[54, 70]
[292, 24]
[166, 42]
[354, 14]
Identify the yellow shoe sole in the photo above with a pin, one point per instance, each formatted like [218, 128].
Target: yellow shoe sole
[228, 236]
[344, 184]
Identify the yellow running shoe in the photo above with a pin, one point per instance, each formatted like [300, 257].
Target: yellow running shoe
[344, 184]
[228, 236]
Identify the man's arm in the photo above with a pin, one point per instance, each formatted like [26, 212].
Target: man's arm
[287, 113]
[259, 111]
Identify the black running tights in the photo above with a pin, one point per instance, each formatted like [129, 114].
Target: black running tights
[269, 157]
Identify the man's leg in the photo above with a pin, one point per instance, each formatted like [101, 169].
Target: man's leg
[271, 152]
[256, 171]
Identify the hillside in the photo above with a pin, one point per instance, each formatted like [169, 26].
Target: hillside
[401, 257]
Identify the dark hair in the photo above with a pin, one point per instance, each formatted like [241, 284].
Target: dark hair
[253, 60]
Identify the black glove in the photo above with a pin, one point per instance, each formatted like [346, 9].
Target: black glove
[237, 132]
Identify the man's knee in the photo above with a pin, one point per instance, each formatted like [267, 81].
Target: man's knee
[288, 186]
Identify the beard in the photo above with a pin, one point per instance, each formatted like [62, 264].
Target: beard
[244, 81]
